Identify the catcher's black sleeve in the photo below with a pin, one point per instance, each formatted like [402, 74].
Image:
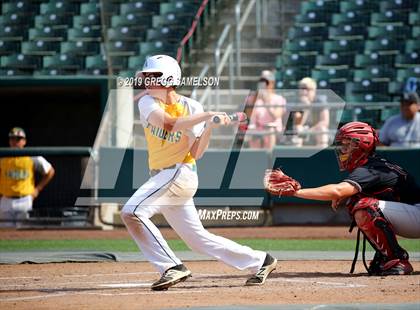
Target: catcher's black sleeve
[363, 178]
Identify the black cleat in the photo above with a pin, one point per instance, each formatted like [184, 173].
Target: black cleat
[268, 266]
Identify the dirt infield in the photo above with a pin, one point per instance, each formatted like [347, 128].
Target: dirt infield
[126, 286]
[280, 232]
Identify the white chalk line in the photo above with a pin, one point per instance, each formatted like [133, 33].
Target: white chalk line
[324, 283]
[84, 275]
[37, 285]
[96, 293]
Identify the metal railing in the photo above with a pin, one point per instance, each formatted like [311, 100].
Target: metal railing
[220, 61]
[240, 22]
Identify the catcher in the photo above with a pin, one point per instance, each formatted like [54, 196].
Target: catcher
[382, 198]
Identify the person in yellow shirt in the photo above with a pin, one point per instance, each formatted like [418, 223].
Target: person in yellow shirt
[178, 132]
[17, 181]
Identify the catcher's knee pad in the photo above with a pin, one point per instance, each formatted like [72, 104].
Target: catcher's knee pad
[377, 229]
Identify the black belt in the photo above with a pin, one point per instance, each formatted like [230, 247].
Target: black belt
[15, 197]
[153, 172]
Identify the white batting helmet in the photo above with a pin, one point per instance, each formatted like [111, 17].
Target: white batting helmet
[168, 66]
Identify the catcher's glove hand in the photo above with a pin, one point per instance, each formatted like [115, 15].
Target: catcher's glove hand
[279, 184]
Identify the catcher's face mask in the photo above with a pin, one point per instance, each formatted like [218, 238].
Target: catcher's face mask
[347, 152]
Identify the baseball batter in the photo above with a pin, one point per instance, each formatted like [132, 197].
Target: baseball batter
[177, 133]
[381, 197]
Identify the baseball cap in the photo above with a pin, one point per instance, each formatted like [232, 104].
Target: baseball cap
[410, 98]
[17, 132]
[267, 75]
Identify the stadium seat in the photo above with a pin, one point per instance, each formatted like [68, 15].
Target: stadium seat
[136, 62]
[295, 60]
[373, 59]
[414, 18]
[55, 20]
[334, 60]
[90, 8]
[171, 19]
[54, 72]
[368, 97]
[16, 19]
[13, 33]
[366, 86]
[179, 7]
[140, 7]
[286, 84]
[395, 88]
[399, 5]
[375, 73]
[20, 61]
[119, 62]
[87, 20]
[303, 46]
[407, 60]
[388, 112]
[308, 32]
[108, 7]
[156, 47]
[359, 6]
[292, 74]
[62, 61]
[56, 7]
[415, 33]
[131, 19]
[166, 34]
[331, 74]
[84, 34]
[351, 18]
[412, 46]
[121, 48]
[339, 87]
[21, 6]
[127, 73]
[96, 62]
[125, 33]
[79, 48]
[344, 46]
[40, 48]
[347, 32]
[313, 18]
[320, 6]
[389, 31]
[383, 45]
[15, 72]
[47, 34]
[9, 47]
[389, 18]
[404, 74]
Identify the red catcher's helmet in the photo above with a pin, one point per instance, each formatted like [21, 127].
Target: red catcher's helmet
[355, 141]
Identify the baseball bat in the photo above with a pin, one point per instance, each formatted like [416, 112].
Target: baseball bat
[237, 116]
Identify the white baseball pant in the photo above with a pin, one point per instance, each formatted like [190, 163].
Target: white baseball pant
[170, 193]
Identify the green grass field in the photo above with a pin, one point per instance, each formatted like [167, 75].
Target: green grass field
[127, 245]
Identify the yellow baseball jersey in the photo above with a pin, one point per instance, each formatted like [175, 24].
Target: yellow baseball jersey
[17, 174]
[168, 148]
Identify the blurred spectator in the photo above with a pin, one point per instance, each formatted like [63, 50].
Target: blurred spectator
[266, 120]
[17, 180]
[313, 121]
[403, 129]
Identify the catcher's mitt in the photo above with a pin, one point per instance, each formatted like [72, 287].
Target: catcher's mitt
[279, 184]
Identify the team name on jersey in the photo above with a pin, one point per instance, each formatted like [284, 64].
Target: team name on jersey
[17, 174]
[172, 137]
